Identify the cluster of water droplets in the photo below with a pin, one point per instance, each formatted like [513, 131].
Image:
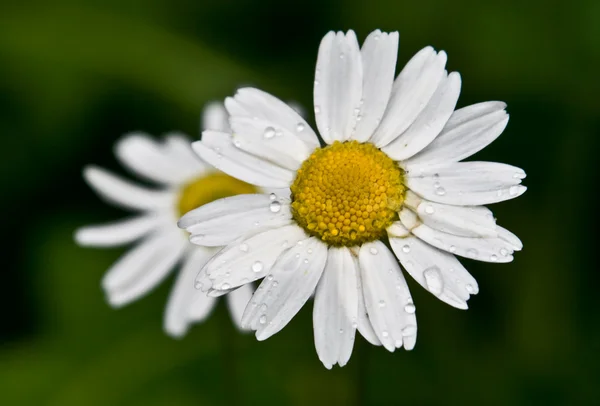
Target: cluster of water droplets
[437, 187]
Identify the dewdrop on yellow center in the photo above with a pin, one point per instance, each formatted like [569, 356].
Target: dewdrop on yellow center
[347, 193]
[208, 188]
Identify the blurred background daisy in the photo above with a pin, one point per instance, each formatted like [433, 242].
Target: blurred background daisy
[76, 75]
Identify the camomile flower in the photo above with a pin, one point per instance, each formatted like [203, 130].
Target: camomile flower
[386, 185]
[185, 183]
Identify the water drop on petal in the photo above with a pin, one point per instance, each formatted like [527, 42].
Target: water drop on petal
[269, 132]
[275, 206]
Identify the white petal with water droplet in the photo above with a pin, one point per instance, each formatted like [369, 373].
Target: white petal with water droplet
[234, 266]
[378, 55]
[437, 271]
[116, 190]
[283, 148]
[278, 299]
[184, 300]
[119, 232]
[468, 130]
[383, 281]
[217, 149]
[430, 121]
[467, 183]
[335, 309]
[255, 104]
[225, 220]
[412, 90]
[480, 249]
[466, 221]
[338, 86]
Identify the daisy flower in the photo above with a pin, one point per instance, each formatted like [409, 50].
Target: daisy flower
[185, 183]
[386, 185]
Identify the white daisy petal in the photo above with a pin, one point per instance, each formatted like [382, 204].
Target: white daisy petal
[466, 221]
[184, 299]
[378, 55]
[117, 233]
[510, 238]
[201, 307]
[179, 148]
[219, 293]
[274, 144]
[411, 92]
[290, 283]
[141, 270]
[255, 104]
[225, 220]
[246, 261]
[480, 249]
[115, 190]
[430, 121]
[467, 183]
[237, 302]
[150, 159]
[218, 150]
[468, 130]
[335, 309]
[364, 324]
[338, 86]
[214, 117]
[437, 271]
[387, 298]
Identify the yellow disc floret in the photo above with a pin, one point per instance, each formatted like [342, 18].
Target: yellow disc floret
[347, 193]
[210, 187]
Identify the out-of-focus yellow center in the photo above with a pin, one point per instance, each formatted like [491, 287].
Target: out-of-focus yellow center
[210, 187]
[347, 193]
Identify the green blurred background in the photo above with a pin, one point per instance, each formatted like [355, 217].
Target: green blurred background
[75, 75]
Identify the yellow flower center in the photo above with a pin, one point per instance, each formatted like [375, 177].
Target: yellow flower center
[208, 188]
[347, 193]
